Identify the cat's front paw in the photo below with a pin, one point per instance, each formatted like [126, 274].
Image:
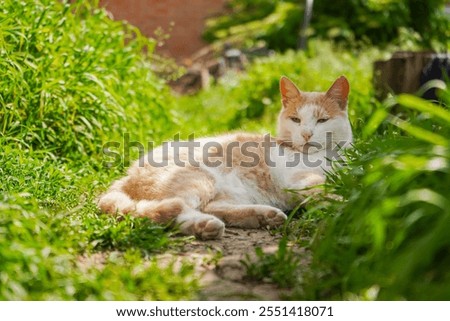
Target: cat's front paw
[272, 217]
[209, 228]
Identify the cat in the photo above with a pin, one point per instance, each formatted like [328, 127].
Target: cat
[241, 179]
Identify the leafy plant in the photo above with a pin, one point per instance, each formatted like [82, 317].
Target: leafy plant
[273, 23]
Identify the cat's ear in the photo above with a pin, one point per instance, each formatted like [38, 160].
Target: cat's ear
[290, 95]
[339, 91]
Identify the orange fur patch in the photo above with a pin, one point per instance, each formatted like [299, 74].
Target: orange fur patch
[326, 106]
[163, 211]
[167, 182]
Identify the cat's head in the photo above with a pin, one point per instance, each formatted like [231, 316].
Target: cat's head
[314, 120]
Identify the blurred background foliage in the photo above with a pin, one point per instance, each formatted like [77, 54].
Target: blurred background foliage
[353, 22]
[251, 100]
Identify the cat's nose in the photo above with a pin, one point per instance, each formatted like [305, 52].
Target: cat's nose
[306, 135]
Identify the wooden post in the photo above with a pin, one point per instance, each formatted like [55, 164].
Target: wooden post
[400, 74]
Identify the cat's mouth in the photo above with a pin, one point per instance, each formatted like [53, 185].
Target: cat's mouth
[310, 147]
[306, 147]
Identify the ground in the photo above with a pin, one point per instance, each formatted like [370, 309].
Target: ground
[220, 268]
[218, 264]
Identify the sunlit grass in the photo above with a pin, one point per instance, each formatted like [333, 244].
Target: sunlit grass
[390, 233]
[72, 79]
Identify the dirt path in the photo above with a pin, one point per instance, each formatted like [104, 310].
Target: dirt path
[218, 265]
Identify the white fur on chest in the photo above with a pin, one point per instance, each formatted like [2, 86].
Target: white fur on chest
[288, 163]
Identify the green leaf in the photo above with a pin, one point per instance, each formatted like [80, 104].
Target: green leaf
[424, 106]
[419, 132]
[374, 122]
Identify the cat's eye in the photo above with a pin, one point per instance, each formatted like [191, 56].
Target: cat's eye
[322, 120]
[296, 120]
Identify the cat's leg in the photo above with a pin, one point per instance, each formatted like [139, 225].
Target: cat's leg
[203, 226]
[190, 221]
[247, 216]
[307, 183]
[306, 179]
[160, 211]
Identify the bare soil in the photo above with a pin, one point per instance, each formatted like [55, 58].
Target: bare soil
[218, 265]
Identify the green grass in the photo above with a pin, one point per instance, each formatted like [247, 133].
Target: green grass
[280, 267]
[40, 257]
[72, 80]
[390, 234]
[48, 219]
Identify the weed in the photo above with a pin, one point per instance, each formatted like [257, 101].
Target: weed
[279, 267]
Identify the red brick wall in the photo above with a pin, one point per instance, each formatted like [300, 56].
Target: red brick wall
[188, 17]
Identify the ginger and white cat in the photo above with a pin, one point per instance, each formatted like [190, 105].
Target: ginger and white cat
[239, 179]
